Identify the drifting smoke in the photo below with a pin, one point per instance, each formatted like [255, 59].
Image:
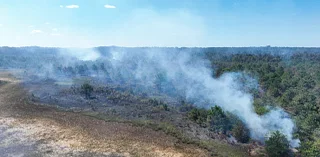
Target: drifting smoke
[191, 76]
[180, 74]
[80, 54]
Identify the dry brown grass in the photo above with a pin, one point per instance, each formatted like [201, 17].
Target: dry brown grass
[77, 132]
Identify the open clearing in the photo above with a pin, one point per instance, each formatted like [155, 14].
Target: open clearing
[29, 129]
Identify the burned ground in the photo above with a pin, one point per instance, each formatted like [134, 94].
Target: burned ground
[115, 103]
[123, 125]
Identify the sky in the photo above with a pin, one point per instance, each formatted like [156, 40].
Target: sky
[171, 23]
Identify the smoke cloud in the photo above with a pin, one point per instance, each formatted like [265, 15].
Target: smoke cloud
[190, 76]
[80, 54]
[178, 73]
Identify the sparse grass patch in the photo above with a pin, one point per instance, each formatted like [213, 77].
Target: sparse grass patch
[217, 148]
[221, 149]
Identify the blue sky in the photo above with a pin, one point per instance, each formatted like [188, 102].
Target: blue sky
[88, 23]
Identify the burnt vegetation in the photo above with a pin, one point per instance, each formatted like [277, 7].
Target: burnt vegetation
[289, 78]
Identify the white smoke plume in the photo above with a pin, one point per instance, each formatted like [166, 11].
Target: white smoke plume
[192, 77]
[189, 75]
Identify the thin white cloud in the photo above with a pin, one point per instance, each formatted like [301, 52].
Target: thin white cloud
[36, 31]
[54, 29]
[61, 6]
[31, 26]
[1, 25]
[73, 6]
[47, 23]
[109, 6]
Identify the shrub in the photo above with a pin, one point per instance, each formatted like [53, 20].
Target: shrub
[241, 132]
[165, 107]
[277, 145]
[310, 148]
[259, 108]
[87, 89]
[215, 118]
[199, 115]
[185, 107]
[218, 120]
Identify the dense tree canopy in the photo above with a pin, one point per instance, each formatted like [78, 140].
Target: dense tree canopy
[291, 81]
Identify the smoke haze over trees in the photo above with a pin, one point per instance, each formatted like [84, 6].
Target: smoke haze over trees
[242, 81]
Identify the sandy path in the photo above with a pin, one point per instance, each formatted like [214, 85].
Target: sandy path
[27, 129]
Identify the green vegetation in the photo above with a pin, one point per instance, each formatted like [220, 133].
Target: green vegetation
[241, 132]
[292, 82]
[199, 115]
[213, 118]
[87, 90]
[311, 148]
[259, 106]
[220, 122]
[277, 145]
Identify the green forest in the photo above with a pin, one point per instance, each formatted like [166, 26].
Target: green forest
[292, 83]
